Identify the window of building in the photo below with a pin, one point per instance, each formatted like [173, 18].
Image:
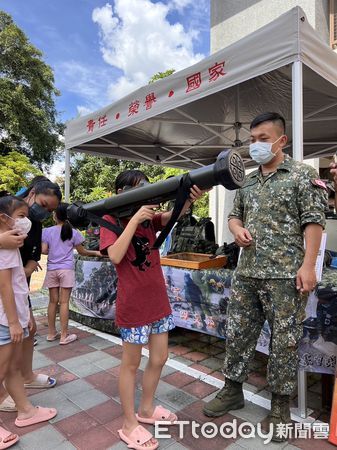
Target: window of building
[333, 23]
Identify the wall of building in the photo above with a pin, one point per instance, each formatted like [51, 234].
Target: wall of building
[233, 19]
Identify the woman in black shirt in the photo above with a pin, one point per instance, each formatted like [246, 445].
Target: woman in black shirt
[42, 197]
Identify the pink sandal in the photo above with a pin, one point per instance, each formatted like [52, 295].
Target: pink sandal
[70, 338]
[4, 434]
[160, 414]
[41, 415]
[137, 438]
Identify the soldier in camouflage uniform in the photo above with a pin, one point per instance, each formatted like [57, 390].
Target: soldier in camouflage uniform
[280, 203]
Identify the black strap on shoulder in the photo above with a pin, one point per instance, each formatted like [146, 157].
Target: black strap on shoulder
[104, 223]
[182, 195]
[118, 230]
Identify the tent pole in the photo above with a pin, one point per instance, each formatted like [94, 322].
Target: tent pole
[297, 110]
[67, 176]
[297, 128]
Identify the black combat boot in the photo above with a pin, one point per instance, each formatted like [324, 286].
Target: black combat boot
[230, 397]
[279, 417]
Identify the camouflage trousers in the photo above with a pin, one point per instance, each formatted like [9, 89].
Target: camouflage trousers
[252, 302]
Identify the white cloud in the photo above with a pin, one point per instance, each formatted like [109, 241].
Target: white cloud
[56, 170]
[179, 5]
[88, 82]
[83, 110]
[137, 38]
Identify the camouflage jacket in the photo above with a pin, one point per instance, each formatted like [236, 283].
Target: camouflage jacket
[275, 209]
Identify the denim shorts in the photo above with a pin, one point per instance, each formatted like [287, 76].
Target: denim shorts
[140, 335]
[5, 336]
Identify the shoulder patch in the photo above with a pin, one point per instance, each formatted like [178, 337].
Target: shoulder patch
[319, 183]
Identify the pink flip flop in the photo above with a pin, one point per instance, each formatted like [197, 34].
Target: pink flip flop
[41, 415]
[160, 414]
[137, 438]
[4, 434]
[70, 338]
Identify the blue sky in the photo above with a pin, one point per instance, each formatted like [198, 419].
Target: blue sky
[102, 50]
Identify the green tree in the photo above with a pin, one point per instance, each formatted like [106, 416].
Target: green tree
[16, 171]
[93, 178]
[160, 75]
[28, 118]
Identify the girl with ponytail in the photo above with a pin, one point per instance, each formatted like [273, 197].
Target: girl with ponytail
[59, 242]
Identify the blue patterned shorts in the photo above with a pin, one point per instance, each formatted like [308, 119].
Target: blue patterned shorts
[5, 336]
[140, 335]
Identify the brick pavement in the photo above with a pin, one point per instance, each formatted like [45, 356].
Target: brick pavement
[88, 403]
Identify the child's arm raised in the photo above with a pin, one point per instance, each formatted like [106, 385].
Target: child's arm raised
[195, 194]
[118, 250]
[8, 301]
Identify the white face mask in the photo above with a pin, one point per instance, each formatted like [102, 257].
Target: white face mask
[22, 224]
[261, 152]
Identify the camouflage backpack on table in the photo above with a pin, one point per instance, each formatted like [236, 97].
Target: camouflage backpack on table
[192, 235]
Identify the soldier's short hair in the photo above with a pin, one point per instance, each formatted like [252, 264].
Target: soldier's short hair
[269, 117]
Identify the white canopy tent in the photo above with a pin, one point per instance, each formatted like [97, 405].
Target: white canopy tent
[186, 119]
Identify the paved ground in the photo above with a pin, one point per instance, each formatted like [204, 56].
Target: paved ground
[87, 399]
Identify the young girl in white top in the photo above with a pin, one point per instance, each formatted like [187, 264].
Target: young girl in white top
[14, 319]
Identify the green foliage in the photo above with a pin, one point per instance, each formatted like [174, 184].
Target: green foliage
[16, 171]
[160, 75]
[93, 178]
[28, 118]
[200, 207]
[97, 193]
[167, 172]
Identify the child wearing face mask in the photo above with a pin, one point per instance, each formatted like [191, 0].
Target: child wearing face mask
[41, 197]
[59, 242]
[15, 319]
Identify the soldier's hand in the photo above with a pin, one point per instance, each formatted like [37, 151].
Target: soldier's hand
[306, 279]
[242, 237]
